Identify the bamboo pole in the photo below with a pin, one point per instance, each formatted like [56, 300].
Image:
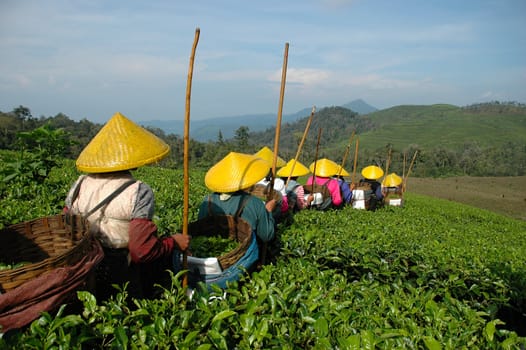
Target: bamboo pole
[409, 171]
[404, 164]
[388, 162]
[186, 142]
[345, 155]
[315, 161]
[355, 161]
[270, 187]
[278, 122]
[305, 132]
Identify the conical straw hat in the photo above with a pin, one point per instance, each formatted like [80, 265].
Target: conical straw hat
[299, 169]
[267, 154]
[121, 145]
[372, 172]
[236, 171]
[342, 172]
[392, 180]
[324, 167]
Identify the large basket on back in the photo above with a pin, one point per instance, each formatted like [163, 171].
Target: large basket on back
[261, 191]
[226, 226]
[41, 245]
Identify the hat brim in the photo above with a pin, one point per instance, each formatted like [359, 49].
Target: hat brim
[236, 171]
[293, 169]
[372, 172]
[121, 145]
[324, 168]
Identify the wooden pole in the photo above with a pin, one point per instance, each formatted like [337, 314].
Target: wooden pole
[270, 188]
[409, 171]
[315, 161]
[278, 122]
[186, 142]
[346, 152]
[355, 161]
[405, 163]
[305, 132]
[388, 162]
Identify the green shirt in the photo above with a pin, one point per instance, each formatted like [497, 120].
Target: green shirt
[254, 212]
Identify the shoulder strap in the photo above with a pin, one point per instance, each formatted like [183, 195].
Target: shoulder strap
[110, 197]
[210, 204]
[242, 204]
[76, 191]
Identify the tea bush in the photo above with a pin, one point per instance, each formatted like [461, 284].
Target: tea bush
[432, 274]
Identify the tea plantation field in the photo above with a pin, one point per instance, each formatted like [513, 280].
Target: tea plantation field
[433, 275]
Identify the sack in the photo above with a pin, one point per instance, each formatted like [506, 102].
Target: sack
[361, 195]
[323, 189]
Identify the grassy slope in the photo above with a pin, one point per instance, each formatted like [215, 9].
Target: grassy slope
[441, 125]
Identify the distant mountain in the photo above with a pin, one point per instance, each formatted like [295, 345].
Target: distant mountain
[360, 106]
[427, 127]
[208, 129]
[205, 130]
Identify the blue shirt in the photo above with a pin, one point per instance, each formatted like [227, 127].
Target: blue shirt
[346, 191]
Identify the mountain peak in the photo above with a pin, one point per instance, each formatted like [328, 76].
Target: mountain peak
[360, 106]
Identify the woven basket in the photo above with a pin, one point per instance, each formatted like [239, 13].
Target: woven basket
[41, 244]
[226, 226]
[261, 191]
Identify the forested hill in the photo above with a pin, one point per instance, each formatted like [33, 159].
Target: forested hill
[487, 138]
[336, 123]
[478, 140]
[446, 126]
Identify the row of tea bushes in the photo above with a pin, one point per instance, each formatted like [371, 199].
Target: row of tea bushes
[433, 274]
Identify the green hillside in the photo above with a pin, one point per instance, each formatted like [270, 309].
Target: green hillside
[478, 140]
[428, 127]
[444, 125]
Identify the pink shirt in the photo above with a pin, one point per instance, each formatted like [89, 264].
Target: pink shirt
[333, 185]
[300, 195]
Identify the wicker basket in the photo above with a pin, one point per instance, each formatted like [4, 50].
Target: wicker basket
[261, 191]
[226, 226]
[41, 244]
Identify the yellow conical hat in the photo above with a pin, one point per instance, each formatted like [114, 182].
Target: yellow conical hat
[324, 167]
[299, 169]
[342, 172]
[121, 145]
[392, 180]
[236, 171]
[266, 154]
[372, 172]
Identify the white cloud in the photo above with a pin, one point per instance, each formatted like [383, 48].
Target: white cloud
[306, 77]
[339, 49]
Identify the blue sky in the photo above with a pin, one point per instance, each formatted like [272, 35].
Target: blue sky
[90, 59]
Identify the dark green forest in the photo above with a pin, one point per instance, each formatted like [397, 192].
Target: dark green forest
[487, 139]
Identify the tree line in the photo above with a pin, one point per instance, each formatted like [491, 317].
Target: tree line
[472, 159]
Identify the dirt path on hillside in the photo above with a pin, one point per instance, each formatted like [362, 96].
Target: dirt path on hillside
[504, 195]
